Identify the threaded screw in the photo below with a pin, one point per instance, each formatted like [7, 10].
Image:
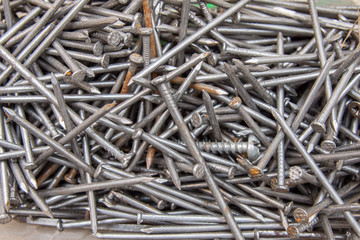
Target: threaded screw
[230, 147]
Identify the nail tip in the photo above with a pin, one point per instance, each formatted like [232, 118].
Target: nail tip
[24, 187]
[146, 230]
[95, 91]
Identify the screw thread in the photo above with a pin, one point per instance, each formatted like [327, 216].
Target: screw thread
[100, 35]
[146, 49]
[223, 147]
[196, 20]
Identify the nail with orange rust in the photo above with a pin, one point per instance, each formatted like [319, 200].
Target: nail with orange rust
[57, 177]
[252, 170]
[135, 61]
[148, 19]
[150, 156]
[48, 172]
[201, 87]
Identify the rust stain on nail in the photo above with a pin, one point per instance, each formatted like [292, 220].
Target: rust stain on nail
[201, 86]
[150, 156]
[47, 173]
[148, 23]
[255, 172]
[235, 101]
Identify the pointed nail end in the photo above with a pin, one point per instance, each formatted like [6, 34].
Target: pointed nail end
[252, 61]
[8, 112]
[149, 179]
[221, 92]
[146, 230]
[198, 66]
[261, 218]
[24, 187]
[126, 121]
[95, 90]
[49, 213]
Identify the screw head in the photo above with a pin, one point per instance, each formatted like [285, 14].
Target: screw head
[136, 59]
[235, 103]
[98, 48]
[114, 38]
[105, 61]
[295, 173]
[78, 76]
[300, 215]
[196, 120]
[328, 145]
[318, 127]
[293, 231]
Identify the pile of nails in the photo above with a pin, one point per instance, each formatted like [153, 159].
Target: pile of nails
[181, 119]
